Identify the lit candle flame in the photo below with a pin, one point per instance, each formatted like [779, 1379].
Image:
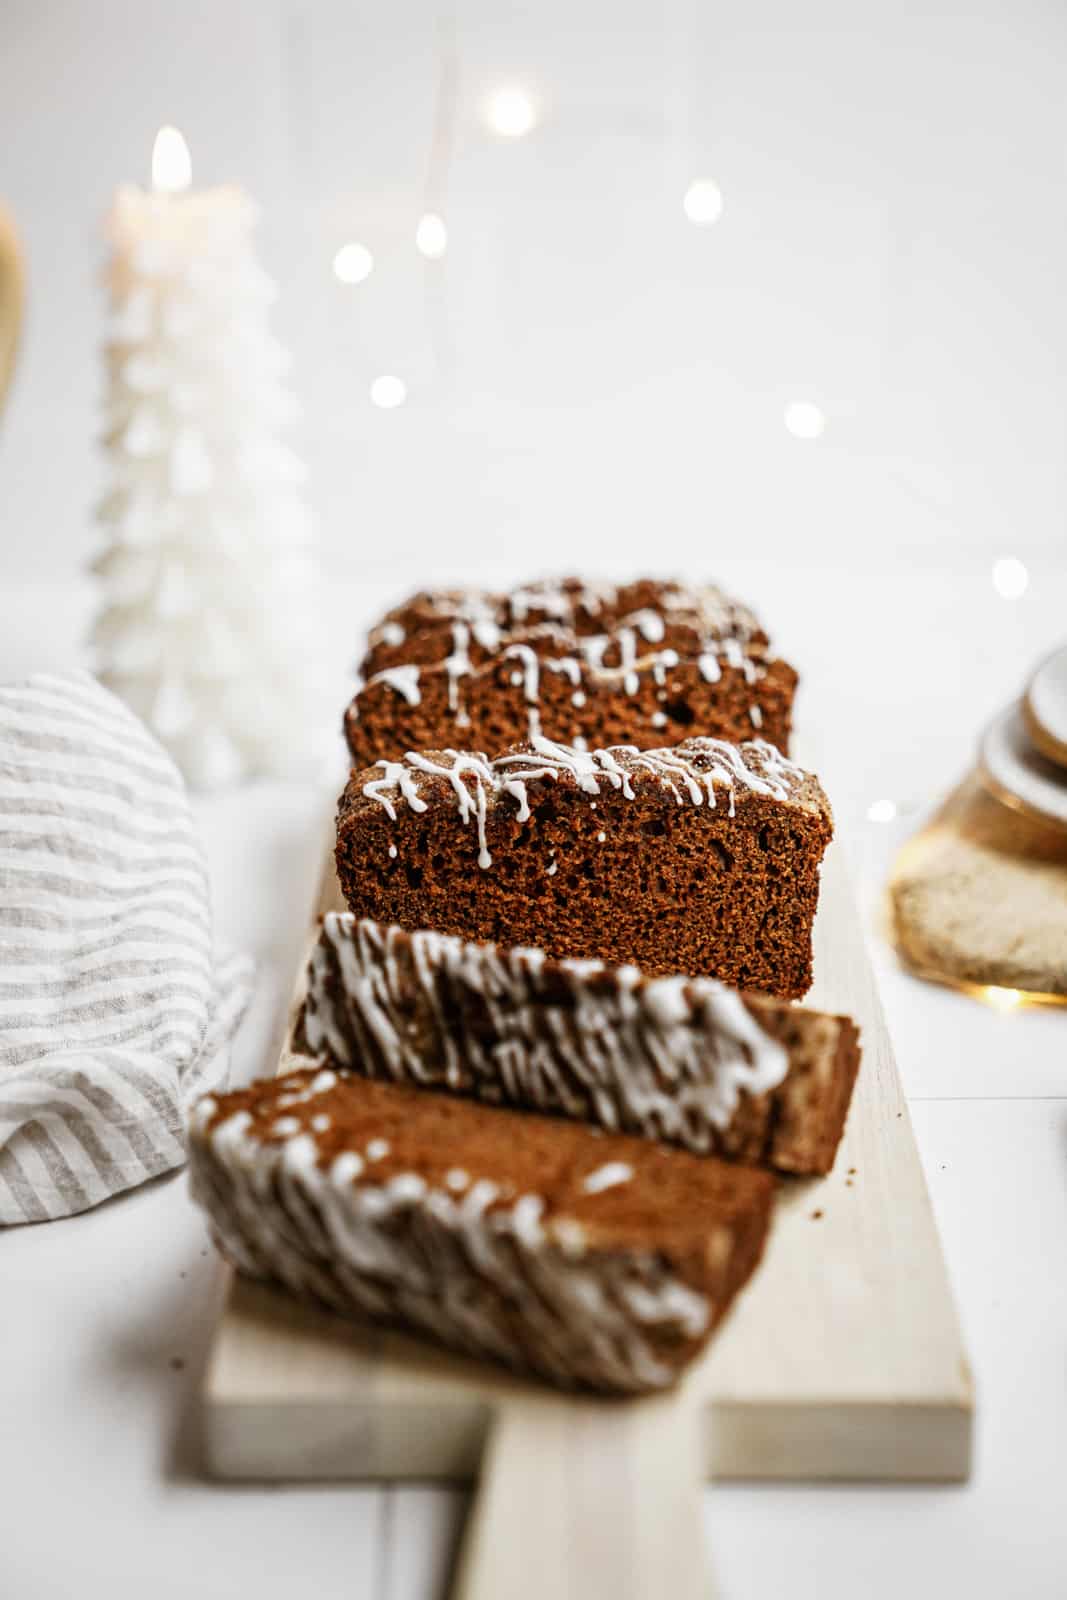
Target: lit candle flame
[172, 169]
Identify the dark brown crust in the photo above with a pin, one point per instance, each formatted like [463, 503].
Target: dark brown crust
[810, 1107]
[667, 705]
[670, 887]
[704, 1221]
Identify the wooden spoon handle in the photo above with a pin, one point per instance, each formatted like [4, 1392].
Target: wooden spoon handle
[587, 1500]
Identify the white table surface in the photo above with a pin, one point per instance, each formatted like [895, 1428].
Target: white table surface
[104, 1319]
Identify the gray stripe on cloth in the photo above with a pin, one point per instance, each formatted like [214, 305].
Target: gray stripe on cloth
[118, 1010]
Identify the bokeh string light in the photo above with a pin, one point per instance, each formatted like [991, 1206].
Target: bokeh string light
[388, 392]
[352, 263]
[804, 420]
[511, 111]
[702, 202]
[431, 236]
[1010, 578]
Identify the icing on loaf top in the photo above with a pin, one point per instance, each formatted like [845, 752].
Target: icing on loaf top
[667, 1048]
[581, 660]
[576, 605]
[697, 772]
[593, 635]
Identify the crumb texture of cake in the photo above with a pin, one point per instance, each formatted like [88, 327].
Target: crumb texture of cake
[639, 664]
[702, 858]
[686, 1060]
[592, 1260]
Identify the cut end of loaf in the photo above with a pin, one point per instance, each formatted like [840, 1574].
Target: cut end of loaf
[593, 1260]
[701, 858]
[645, 663]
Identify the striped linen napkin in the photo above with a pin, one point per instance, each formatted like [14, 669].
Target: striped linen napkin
[115, 1010]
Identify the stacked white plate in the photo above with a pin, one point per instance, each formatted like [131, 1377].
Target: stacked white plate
[1022, 756]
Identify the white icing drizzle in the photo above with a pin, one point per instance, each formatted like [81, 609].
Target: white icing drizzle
[670, 1058]
[593, 650]
[649, 624]
[461, 762]
[552, 600]
[570, 1236]
[405, 680]
[690, 771]
[531, 683]
[609, 1176]
[568, 667]
[627, 641]
[662, 664]
[412, 1250]
[395, 775]
[203, 1112]
[458, 665]
[346, 1168]
[721, 628]
[486, 632]
[560, 607]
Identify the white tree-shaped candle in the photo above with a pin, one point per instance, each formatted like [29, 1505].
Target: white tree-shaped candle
[211, 627]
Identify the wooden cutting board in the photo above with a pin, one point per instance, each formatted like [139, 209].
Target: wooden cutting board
[842, 1359]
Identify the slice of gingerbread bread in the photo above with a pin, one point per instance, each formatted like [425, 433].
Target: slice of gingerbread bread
[703, 858]
[681, 1059]
[485, 671]
[589, 1259]
[422, 628]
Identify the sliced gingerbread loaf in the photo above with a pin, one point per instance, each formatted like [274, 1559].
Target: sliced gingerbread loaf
[590, 1259]
[681, 1059]
[422, 629]
[486, 670]
[703, 858]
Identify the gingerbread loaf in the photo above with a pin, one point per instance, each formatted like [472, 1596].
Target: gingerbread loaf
[642, 665]
[589, 1259]
[703, 858]
[422, 629]
[681, 1059]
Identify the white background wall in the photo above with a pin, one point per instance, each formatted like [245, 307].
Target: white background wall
[593, 381]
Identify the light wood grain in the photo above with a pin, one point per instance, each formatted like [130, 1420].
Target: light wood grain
[588, 1500]
[842, 1359]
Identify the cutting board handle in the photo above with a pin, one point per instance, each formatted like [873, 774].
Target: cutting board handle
[588, 1500]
